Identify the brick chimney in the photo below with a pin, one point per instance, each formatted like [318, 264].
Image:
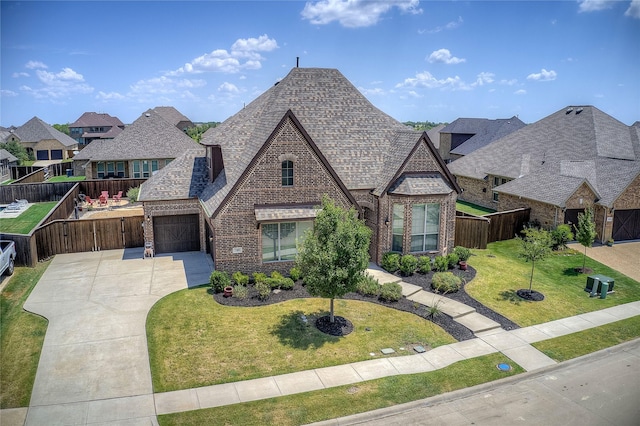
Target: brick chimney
[216, 165]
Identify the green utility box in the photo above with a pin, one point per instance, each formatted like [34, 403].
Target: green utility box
[594, 284]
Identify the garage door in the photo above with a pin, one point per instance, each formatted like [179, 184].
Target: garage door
[626, 225]
[571, 217]
[176, 233]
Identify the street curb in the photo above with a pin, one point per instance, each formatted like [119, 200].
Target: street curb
[381, 413]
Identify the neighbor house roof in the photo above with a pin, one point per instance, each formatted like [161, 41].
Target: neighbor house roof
[579, 142]
[36, 130]
[171, 114]
[484, 131]
[434, 134]
[6, 155]
[95, 119]
[149, 137]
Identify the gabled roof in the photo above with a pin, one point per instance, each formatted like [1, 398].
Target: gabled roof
[112, 133]
[185, 177]
[94, 119]
[36, 130]
[6, 155]
[171, 114]
[357, 139]
[484, 131]
[149, 137]
[577, 141]
[545, 187]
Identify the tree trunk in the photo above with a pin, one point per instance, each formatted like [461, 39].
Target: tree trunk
[331, 318]
[584, 259]
[533, 264]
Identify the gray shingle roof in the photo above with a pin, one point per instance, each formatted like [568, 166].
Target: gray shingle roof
[185, 177]
[36, 130]
[6, 155]
[566, 143]
[484, 131]
[171, 114]
[421, 184]
[94, 119]
[149, 137]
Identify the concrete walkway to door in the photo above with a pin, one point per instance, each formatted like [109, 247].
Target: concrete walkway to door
[94, 366]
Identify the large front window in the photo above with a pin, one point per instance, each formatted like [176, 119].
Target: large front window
[425, 227]
[279, 239]
[397, 226]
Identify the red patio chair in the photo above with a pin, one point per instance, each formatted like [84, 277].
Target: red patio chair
[106, 194]
[117, 197]
[88, 200]
[103, 201]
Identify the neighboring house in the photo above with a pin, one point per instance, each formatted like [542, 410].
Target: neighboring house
[465, 135]
[434, 135]
[44, 141]
[268, 166]
[6, 161]
[8, 134]
[174, 117]
[93, 125]
[575, 158]
[143, 148]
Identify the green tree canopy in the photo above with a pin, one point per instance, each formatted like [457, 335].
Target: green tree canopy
[64, 128]
[18, 151]
[334, 255]
[198, 130]
[536, 245]
[586, 231]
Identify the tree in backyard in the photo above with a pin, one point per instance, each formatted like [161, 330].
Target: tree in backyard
[335, 253]
[18, 151]
[586, 232]
[535, 246]
[64, 128]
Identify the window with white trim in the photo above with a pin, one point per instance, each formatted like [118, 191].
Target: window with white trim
[279, 239]
[425, 227]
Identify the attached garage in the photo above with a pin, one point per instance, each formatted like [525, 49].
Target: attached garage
[571, 217]
[176, 233]
[626, 225]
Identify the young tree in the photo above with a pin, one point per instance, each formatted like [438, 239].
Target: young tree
[334, 255]
[586, 232]
[536, 245]
[18, 151]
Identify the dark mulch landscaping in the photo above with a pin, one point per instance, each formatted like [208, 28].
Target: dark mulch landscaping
[339, 327]
[531, 295]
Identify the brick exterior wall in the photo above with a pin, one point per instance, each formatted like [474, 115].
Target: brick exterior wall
[153, 209]
[476, 191]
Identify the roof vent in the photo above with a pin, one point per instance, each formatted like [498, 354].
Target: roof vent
[147, 115]
[579, 110]
[568, 111]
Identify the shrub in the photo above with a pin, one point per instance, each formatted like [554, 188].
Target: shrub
[259, 276]
[295, 273]
[219, 280]
[390, 262]
[286, 283]
[271, 282]
[368, 286]
[264, 289]
[424, 264]
[240, 278]
[408, 264]
[276, 275]
[440, 264]
[452, 260]
[132, 194]
[390, 292]
[463, 253]
[445, 282]
[561, 236]
[241, 292]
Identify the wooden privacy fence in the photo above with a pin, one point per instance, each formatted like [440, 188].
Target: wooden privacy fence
[73, 236]
[478, 231]
[35, 192]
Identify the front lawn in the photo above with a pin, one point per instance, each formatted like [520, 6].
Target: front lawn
[194, 341]
[24, 223]
[21, 338]
[500, 273]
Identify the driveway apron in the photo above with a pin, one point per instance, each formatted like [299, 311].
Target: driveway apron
[94, 366]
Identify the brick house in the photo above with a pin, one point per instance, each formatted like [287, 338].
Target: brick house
[92, 125]
[268, 166]
[44, 141]
[141, 149]
[575, 158]
[6, 161]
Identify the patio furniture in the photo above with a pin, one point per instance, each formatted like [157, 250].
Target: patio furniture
[103, 201]
[88, 200]
[117, 197]
[106, 194]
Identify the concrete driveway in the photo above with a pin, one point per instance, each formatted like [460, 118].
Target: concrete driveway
[94, 367]
[623, 257]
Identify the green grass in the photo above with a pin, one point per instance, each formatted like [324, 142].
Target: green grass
[194, 341]
[21, 338]
[66, 179]
[350, 399]
[473, 209]
[24, 223]
[588, 341]
[500, 273]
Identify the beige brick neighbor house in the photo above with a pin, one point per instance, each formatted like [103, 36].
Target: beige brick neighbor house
[572, 159]
[268, 166]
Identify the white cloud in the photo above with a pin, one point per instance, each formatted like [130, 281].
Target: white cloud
[634, 9]
[355, 13]
[511, 82]
[449, 26]
[444, 56]
[427, 80]
[8, 93]
[251, 45]
[543, 75]
[371, 92]
[520, 92]
[484, 78]
[35, 64]
[156, 86]
[61, 78]
[20, 74]
[228, 88]
[56, 86]
[414, 94]
[109, 96]
[594, 5]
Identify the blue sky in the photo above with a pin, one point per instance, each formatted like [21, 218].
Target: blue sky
[415, 60]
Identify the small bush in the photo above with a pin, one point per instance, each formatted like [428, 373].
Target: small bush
[264, 289]
[463, 253]
[286, 283]
[368, 286]
[424, 264]
[272, 282]
[132, 194]
[561, 236]
[295, 273]
[276, 275]
[259, 276]
[241, 292]
[219, 280]
[445, 282]
[440, 264]
[240, 278]
[408, 264]
[390, 262]
[452, 260]
[390, 292]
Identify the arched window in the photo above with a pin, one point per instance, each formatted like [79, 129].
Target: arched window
[287, 173]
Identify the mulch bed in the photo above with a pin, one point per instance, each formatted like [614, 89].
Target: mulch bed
[458, 331]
